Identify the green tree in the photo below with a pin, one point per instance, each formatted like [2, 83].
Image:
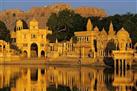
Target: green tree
[65, 23]
[4, 32]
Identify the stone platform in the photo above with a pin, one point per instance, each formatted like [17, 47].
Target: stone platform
[66, 61]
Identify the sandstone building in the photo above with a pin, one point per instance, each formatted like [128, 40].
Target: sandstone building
[94, 43]
[31, 41]
[91, 43]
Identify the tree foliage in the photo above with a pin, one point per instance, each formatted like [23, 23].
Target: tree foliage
[4, 32]
[65, 23]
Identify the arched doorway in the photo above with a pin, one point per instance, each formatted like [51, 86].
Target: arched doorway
[42, 53]
[34, 50]
[25, 54]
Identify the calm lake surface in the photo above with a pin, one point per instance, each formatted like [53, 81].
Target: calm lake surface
[66, 78]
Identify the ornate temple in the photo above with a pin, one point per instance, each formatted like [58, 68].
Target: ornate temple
[93, 43]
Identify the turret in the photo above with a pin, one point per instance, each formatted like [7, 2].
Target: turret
[33, 24]
[96, 30]
[103, 32]
[56, 40]
[111, 29]
[89, 25]
[19, 25]
[123, 39]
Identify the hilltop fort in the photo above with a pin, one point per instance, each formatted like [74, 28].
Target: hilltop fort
[42, 13]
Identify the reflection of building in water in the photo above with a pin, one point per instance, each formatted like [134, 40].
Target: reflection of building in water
[88, 79]
[123, 80]
[29, 83]
[84, 79]
[6, 75]
[68, 77]
[101, 86]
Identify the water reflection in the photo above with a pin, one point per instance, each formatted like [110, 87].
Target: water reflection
[57, 78]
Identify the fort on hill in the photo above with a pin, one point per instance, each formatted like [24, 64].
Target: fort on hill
[10, 17]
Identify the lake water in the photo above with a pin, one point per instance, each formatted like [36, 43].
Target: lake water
[66, 78]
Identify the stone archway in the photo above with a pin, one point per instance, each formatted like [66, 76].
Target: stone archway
[25, 54]
[34, 50]
[42, 53]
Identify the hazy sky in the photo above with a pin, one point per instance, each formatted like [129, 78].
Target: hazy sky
[111, 6]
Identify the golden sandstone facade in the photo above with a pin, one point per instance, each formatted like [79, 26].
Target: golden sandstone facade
[32, 41]
[94, 43]
[91, 43]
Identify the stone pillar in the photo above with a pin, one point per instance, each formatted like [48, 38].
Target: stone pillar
[28, 52]
[119, 67]
[28, 75]
[123, 67]
[94, 54]
[115, 66]
[39, 75]
[123, 88]
[67, 46]
[102, 53]
[83, 52]
[39, 51]
[2, 48]
[28, 80]
[130, 64]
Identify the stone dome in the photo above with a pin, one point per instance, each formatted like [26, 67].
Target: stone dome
[103, 32]
[96, 29]
[19, 23]
[33, 24]
[122, 33]
[33, 21]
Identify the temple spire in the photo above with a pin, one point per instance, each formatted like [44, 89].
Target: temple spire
[111, 29]
[89, 25]
[96, 29]
[103, 32]
[56, 40]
